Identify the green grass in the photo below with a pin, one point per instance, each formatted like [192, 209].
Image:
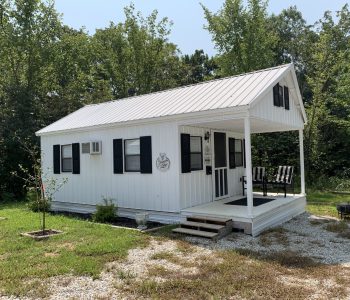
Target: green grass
[83, 249]
[324, 203]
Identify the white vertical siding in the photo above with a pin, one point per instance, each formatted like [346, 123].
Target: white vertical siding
[266, 110]
[158, 191]
[196, 187]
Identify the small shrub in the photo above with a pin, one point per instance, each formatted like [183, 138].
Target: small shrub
[35, 205]
[105, 213]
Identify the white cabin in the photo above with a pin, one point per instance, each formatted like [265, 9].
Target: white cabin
[178, 152]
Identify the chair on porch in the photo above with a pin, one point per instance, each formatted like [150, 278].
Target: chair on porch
[284, 178]
[259, 179]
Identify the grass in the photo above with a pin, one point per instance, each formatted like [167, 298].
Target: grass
[324, 203]
[276, 234]
[83, 249]
[241, 275]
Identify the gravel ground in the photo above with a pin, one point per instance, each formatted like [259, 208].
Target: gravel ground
[305, 234]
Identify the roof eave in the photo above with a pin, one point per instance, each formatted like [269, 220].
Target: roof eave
[179, 117]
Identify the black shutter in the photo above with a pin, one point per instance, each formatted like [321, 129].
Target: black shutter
[276, 101]
[76, 158]
[56, 159]
[286, 97]
[185, 153]
[243, 148]
[118, 156]
[280, 96]
[146, 154]
[231, 151]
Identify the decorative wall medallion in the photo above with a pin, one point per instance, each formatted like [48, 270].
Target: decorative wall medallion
[163, 162]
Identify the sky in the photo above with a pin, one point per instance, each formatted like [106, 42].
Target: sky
[187, 15]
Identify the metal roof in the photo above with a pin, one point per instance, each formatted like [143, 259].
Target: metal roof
[216, 94]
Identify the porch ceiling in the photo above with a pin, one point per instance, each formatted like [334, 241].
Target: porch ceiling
[257, 125]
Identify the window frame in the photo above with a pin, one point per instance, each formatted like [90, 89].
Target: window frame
[241, 152]
[201, 153]
[71, 158]
[125, 155]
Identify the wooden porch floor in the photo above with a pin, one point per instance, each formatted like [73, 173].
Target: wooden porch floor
[264, 216]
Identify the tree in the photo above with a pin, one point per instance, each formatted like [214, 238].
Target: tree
[242, 35]
[327, 133]
[135, 56]
[28, 30]
[198, 67]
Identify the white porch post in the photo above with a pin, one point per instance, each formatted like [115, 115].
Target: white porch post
[302, 168]
[248, 156]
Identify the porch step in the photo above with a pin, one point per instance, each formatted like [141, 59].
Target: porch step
[210, 220]
[203, 226]
[206, 234]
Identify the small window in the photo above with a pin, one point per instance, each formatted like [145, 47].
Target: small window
[238, 153]
[132, 155]
[196, 153]
[67, 164]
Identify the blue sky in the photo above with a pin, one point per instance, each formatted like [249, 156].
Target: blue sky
[187, 15]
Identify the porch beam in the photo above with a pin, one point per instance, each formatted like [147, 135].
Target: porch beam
[248, 156]
[302, 167]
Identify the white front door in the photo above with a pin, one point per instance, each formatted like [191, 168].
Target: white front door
[220, 182]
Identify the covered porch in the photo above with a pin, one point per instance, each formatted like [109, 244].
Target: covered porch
[249, 218]
[280, 209]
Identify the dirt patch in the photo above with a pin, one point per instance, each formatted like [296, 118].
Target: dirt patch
[51, 254]
[42, 234]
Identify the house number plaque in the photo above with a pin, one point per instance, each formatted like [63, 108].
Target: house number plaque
[163, 162]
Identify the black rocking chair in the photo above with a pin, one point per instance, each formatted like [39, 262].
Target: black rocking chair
[259, 179]
[283, 178]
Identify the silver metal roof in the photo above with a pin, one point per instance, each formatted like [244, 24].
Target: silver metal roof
[216, 94]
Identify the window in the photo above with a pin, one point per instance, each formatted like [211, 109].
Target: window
[67, 163]
[132, 155]
[281, 96]
[196, 153]
[239, 153]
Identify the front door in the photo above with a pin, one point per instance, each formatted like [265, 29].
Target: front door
[220, 166]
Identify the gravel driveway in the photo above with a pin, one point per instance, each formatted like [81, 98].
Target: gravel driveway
[305, 234]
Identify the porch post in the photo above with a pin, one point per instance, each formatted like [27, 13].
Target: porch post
[248, 155]
[302, 168]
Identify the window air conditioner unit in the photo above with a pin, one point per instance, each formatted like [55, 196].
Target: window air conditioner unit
[95, 147]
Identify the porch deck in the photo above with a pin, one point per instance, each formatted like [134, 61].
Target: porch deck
[264, 216]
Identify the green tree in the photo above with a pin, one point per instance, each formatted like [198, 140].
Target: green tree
[327, 134]
[198, 67]
[135, 57]
[242, 36]
[28, 29]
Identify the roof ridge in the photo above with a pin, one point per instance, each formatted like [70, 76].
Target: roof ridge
[190, 85]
